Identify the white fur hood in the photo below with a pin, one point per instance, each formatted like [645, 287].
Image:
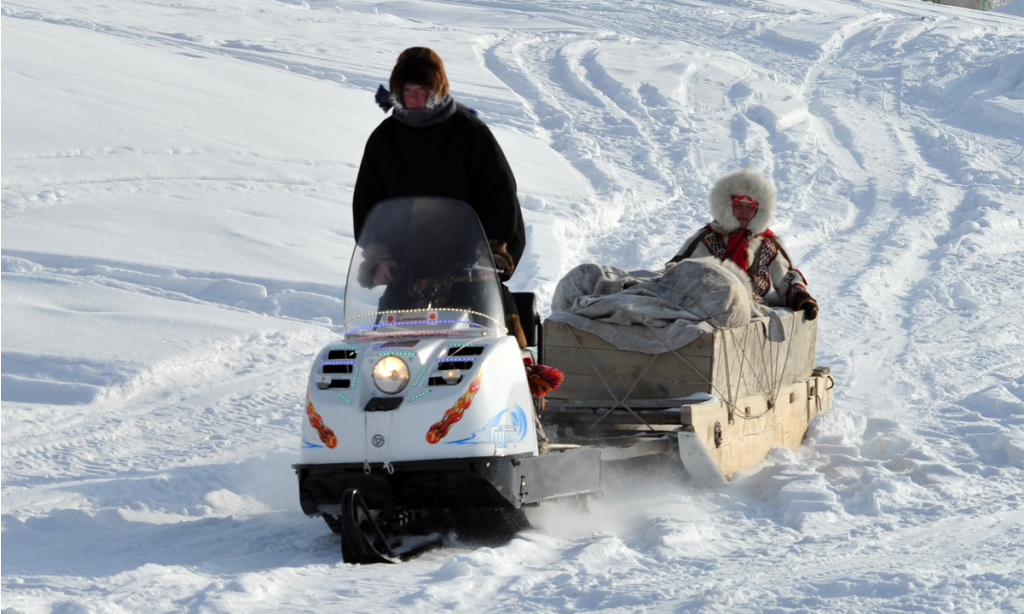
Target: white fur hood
[743, 182]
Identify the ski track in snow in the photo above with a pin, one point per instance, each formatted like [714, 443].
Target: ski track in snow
[155, 477]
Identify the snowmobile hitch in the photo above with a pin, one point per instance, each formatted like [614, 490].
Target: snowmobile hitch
[356, 522]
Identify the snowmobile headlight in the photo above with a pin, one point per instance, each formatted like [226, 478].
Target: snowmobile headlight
[391, 374]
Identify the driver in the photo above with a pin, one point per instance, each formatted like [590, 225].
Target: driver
[433, 146]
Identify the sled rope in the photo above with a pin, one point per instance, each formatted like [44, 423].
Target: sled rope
[784, 363]
[769, 362]
[629, 392]
[777, 369]
[609, 389]
[730, 402]
[728, 398]
[774, 369]
[760, 384]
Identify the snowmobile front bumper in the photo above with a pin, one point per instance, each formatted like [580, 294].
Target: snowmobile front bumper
[502, 482]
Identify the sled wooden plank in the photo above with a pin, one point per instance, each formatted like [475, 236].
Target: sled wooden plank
[628, 359]
[560, 334]
[593, 389]
[621, 361]
[582, 427]
[666, 377]
[588, 404]
[567, 415]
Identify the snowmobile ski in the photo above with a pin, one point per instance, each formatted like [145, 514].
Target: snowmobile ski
[356, 521]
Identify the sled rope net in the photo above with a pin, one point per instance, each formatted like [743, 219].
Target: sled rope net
[600, 376]
[773, 369]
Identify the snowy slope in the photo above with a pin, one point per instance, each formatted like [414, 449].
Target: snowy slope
[176, 231]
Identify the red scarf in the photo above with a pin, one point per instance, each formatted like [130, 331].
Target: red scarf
[736, 246]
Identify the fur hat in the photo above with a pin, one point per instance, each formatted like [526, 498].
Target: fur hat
[742, 183]
[418, 66]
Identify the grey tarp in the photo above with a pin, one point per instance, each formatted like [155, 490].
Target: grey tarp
[653, 311]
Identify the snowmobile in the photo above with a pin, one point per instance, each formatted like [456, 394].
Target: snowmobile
[421, 418]
[422, 413]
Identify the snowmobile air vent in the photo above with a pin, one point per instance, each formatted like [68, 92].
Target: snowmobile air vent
[323, 382]
[465, 350]
[445, 379]
[461, 365]
[341, 354]
[337, 366]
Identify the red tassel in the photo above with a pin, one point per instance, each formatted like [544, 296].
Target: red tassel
[542, 378]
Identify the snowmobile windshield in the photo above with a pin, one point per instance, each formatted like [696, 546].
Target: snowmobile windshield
[422, 266]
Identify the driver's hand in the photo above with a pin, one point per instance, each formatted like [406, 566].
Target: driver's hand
[384, 274]
[502, 259]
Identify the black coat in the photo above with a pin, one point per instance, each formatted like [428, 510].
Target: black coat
[457, 158]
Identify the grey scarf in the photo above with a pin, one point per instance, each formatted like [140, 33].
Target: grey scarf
[431, 116]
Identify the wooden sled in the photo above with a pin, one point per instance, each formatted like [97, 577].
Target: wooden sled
[729, 396]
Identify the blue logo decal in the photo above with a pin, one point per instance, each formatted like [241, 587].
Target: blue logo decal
[306, 444]
[508, 427]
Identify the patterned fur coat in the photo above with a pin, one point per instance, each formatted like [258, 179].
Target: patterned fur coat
[770, 270]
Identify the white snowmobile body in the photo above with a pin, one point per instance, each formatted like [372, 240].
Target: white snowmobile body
[424, 404]
[467, 396]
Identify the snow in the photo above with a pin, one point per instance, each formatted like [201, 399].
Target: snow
[176, 185]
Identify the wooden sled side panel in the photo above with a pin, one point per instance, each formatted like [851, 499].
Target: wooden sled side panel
[730, 363]
[754, 430]
[642, 376]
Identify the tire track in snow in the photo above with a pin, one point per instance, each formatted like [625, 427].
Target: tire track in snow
[199, 46]
[288, 300]
[835, 45]
[175, 153]
[906, 261]
[514, 62]
[221, 400]
[222, 396]
[568, 91]
[650, 149]
[970, 270]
